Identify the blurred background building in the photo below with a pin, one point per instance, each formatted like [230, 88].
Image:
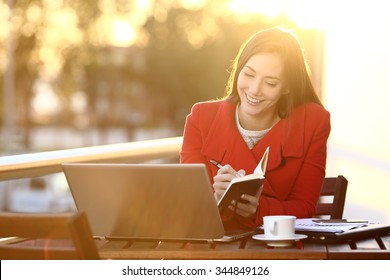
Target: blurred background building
[83, 73]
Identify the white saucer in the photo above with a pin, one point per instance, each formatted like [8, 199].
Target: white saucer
[276, 242]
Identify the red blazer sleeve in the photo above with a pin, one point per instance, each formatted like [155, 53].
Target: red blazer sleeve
[192, 139]
[196, 132]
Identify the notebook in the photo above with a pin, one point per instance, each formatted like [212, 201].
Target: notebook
[333, 233]
[148, 201]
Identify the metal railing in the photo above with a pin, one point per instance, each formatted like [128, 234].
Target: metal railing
[44, 163]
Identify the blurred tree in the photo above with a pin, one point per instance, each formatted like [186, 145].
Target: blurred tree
[188, 57]
[137, 63]
[21, 31]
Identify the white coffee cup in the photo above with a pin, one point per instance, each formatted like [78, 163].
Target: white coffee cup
[279, 227]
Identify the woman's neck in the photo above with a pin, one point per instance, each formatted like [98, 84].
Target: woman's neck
[258, 122]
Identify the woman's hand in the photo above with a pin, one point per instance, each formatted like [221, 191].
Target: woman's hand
[246, 209]
[222, 179]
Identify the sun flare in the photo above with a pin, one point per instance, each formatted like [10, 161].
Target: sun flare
[307, 14]
[123, 33]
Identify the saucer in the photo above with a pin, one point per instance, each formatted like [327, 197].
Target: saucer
[279, 242]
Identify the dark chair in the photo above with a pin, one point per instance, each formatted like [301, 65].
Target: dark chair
[46, 236]
[336, 188]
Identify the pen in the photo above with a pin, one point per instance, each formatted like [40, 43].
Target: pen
[217, 164]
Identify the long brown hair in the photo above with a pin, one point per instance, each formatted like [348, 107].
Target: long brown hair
[296, 71]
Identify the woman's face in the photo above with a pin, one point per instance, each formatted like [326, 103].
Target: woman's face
[260, 85]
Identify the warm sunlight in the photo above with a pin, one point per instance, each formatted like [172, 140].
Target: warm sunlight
[123, 33]
[118, 54]
[270, 9]
[307, 14]
[192, 4]
[358, 149]
[357, 93]
[310, 14]
[115, 31]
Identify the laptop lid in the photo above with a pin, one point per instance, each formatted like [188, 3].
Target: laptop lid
[147, 201]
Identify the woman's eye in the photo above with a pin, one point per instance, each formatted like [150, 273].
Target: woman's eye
[248, 74]
[271, 84]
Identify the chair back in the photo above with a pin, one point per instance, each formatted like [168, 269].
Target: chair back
[46, 236]
[335, 188]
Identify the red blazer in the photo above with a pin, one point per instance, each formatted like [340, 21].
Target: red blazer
[296, 162]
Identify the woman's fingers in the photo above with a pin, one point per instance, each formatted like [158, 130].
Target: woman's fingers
[246, 209]
[222, 180]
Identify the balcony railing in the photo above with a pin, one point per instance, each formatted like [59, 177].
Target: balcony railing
[44, 163]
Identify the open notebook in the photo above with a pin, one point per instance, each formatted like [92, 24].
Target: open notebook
[148, 201]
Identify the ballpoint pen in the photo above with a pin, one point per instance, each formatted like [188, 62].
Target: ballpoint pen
[217, 164]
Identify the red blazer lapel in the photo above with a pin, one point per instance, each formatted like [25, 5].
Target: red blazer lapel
[225, 144]
[285, 139]
[294, 133]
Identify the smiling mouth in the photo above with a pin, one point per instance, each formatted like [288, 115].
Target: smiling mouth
[252, 100]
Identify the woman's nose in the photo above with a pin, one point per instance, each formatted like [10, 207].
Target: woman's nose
[255, 88]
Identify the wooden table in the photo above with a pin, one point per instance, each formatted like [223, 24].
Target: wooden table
[375, 248]
[372, 248]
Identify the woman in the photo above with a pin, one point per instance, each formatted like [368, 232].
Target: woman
[269, 101]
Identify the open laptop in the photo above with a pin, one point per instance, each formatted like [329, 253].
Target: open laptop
[148, 201]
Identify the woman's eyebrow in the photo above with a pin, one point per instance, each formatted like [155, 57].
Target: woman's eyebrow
[269, 77]
[250, 68]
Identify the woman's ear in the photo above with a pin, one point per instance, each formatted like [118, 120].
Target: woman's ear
[285, 92]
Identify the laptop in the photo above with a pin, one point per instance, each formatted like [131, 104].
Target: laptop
[148, 201]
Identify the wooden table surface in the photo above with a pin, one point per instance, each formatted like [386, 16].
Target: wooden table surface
[374, 248]
[371, 248]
